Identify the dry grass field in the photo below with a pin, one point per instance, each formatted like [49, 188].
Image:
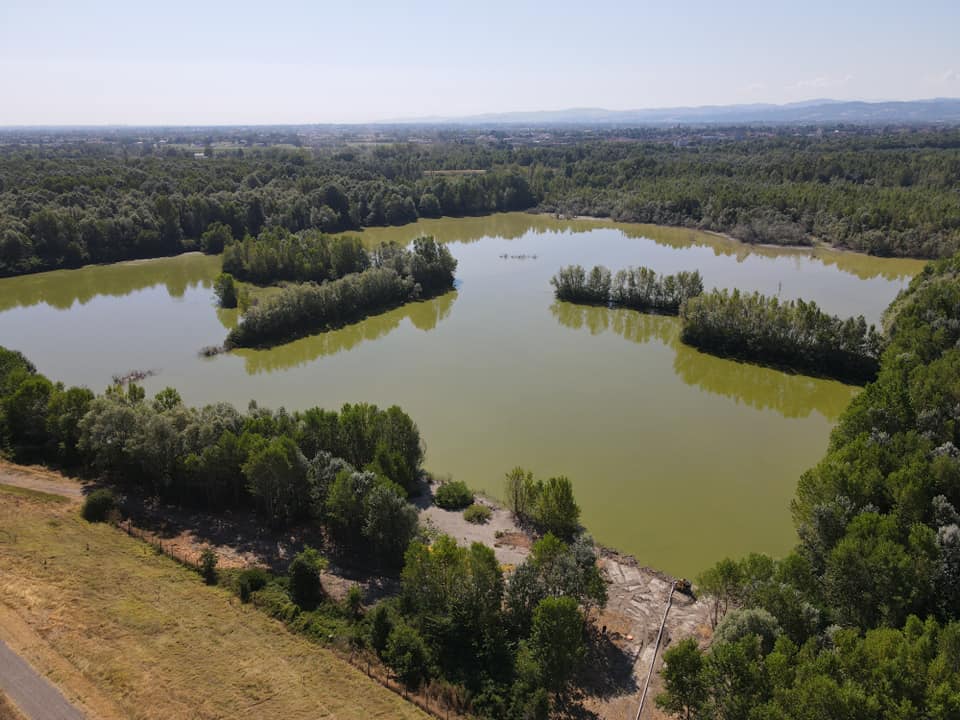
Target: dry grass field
[126, 632]
[7, 710]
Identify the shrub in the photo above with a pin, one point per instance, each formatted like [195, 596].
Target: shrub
[354, 601]
[305, 587]
[249, 581]
[208, 566]
[556, 510]
[453, 495]
[477, 514]
[99, 506]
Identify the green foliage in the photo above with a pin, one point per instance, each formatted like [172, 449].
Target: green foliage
[637, 288]
[250, 581]
[557, 640]
[99, 505]
[215, 238]
[550, 505]
[685, 693]
[208, 566]
[369, 515]
[277, 254]
[453, 495]
[306, 590]
[739, 624]
[554, 569]
[833, 629]
[407, 655]
[556, 511]
[794, 334]
[354, 601]
[520, 491]
[477, 514]
[381, 625]
[226, 290]
[276, 475]
[396, 276]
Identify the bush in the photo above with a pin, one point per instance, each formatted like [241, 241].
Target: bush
[477, 514]
[208, 566]
[354, 601]
[453, 495]
[99, 506]
[556, 510]
[305, 587]
[249, 581]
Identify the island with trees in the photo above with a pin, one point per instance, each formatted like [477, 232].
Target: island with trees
[388, 277]
[786, 333]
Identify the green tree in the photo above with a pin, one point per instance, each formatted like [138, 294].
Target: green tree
[556, 510]
[226, 291]
[407, 655]
[684, 692]
[556, 640]
[215, 238]
[306, 590]
[276, 476]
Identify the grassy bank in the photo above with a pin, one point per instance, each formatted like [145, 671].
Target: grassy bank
[123, 629]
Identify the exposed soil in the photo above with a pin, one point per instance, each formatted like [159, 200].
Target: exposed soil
[619, 658]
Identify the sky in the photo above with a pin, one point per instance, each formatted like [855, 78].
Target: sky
[208, 62]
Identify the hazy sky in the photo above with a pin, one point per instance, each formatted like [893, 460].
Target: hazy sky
[287, 61]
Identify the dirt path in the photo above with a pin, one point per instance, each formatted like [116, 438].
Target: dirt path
[41, 480]
[30, 692]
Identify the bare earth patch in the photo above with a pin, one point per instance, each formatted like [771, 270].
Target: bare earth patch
[619, 660]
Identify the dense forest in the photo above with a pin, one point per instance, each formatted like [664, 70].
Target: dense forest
[103, 200]
[792, 333]
[393, 276]
[862, 619]
[636, 288]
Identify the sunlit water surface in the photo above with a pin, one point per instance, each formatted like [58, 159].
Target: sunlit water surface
[678, 457]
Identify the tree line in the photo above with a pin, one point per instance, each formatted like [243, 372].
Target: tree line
[394, 275]
[497, 644]
[791, 333]
[637, 288]
[65, 206]
[884, 194]
[350, 472]
[276, 254]
[862, 619]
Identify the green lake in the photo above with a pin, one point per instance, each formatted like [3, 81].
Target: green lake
[678, 457]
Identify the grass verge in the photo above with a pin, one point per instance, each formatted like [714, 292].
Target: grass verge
[127, 632]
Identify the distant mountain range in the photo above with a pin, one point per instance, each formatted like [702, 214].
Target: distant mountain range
[820, 111]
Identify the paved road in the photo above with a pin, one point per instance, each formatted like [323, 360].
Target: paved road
[31, 692]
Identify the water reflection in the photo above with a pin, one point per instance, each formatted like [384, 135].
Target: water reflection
[423, 315]
[512, 226]
[61, 289]
[634, 326]
[762, 388]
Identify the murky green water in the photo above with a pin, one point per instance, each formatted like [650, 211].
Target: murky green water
[678, 457]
